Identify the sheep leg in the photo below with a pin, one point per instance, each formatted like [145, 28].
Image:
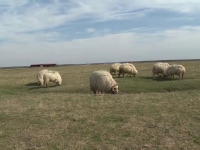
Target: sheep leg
[182, 76]
[99, 93]
[159, 75]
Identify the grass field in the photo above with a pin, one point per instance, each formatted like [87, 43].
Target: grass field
[146, 114]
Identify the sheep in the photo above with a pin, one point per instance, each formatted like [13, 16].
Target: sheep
[175, 70]
[52, 76]
[114, 68]
[40, 78]
[101, 81]
[159, 68]
[130, 64]
[127, 68]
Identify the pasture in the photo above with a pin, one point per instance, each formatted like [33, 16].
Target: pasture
[145, 114]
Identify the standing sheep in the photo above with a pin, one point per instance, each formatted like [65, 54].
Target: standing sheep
[159, 68]
[102, 81]
[127, 68]
[175, 69]
[52, 76]
[114, 68]
[40, 78]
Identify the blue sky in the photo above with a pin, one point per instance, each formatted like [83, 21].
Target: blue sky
[94, 31]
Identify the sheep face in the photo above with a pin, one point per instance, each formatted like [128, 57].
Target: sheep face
[58, 83]
[135, 73]
[114, 89]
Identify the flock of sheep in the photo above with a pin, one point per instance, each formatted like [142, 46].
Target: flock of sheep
[101, 81]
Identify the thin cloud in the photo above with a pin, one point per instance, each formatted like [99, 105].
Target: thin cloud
[90, 30]
[31, 27]
[178, 43]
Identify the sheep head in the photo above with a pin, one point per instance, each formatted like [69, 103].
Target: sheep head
[114, 89]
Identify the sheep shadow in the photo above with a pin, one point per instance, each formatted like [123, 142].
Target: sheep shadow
[33, 88]
[42, 87]
[32, 84]
[159, 79]
[116, 77]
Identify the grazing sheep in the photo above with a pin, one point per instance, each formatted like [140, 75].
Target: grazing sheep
[40, 78]
[114, 68]
[102, 81]
[127, 68]
[130, 64]
[175, 69]
[52, 76]
[159, 68]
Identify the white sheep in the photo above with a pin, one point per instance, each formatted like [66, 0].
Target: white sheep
[52, 76]
[40, 78]
[159, 68]
[114, 68]
[127, 68]
[175, 69]
[130, 64]
[101, 81]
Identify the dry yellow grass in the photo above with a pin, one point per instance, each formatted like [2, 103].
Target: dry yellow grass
[146, 114]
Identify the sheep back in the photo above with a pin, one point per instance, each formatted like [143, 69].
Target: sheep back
[102, 81]
[130, 64]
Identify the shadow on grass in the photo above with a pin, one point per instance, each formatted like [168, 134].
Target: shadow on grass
[160, 79]
[121, 77]
[115, 77]
[36, 86]
[39, 87]
[32, 84]
[42, 87]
